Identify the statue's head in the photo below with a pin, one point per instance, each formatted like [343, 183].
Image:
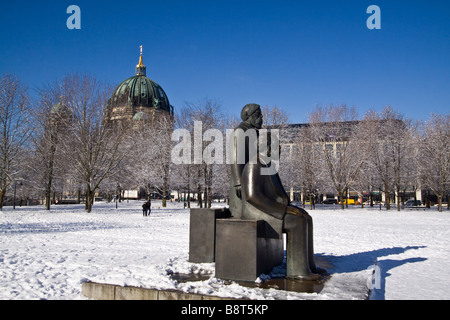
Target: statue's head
[251, 114]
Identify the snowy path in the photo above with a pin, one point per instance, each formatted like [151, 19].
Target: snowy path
[47, 255]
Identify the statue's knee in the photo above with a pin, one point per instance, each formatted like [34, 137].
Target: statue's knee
[292, 222]
[308, 218]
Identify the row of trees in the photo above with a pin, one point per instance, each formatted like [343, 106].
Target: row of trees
[338, 152]
[61, 141]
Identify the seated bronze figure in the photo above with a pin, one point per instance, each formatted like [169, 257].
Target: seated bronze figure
[256, 196]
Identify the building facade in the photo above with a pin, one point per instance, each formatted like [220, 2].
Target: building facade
[325, 145]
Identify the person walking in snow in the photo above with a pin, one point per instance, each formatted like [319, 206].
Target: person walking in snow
[145, 208]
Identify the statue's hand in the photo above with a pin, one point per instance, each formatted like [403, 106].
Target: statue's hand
[294, 211]
[238, 191]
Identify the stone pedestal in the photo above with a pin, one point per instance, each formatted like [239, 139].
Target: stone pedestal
[244, 249]
[202, 233]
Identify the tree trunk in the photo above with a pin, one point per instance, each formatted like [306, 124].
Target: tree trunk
[2, 198]
[346, 198]
[48, 191]
[189, 196]
[47, 198]
[164, 203]
[388, 197]
[440, 197]
[89, 198]
[371, 198]
[199, 196]
[165, 185]
[341, 197]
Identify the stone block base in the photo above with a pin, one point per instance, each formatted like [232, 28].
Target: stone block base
[244, 250]
[202, 233]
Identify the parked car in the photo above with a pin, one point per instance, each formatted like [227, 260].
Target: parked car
[413, 203]
[330, 201]
[349, 201]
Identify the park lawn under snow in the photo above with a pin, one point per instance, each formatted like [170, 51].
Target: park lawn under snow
[48, 255]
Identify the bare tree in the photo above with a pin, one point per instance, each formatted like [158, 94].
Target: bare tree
[50, 118]
[368, 180]
[307, 162]
[159, 156]
[377, 150]
[14, 131]
[402, 153]
[435, 156]
[333, 127]
[182, 172]
[389, 147]
[208, 115]
[274, 117]
[93, 146]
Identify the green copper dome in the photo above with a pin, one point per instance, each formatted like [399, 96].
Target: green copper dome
[140, 91]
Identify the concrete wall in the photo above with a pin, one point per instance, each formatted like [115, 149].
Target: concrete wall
[100, 291]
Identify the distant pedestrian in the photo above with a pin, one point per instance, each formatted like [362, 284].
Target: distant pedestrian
[149, 206]
[145, 208]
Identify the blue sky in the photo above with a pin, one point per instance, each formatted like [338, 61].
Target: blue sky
[293, 54]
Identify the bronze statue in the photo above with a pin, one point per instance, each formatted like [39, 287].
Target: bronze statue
[252, 121]
[255, 196]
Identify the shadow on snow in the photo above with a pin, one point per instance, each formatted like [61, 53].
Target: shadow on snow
[371, 259]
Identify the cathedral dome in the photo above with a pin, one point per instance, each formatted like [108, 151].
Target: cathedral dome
[140, 91]
[138, 94]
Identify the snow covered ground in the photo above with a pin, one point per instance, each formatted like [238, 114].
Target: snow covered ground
[47, 255]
